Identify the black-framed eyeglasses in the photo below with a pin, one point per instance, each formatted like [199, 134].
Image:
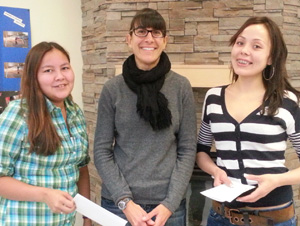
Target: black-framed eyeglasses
[143, 32]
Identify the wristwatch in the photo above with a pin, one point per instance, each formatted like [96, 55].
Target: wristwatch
[123, 203]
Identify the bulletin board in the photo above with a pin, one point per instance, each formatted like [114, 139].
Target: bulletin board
[15, 43]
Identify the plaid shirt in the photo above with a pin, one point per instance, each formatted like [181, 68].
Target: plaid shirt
[57, 171]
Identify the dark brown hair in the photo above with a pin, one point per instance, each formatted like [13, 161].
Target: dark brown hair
[277, 84]
[147, 17]
[42, 134]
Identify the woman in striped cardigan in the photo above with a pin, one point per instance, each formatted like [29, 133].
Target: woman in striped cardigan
[250, 121]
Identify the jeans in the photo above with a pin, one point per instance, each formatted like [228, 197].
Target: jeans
[215, 219]
[176, 219]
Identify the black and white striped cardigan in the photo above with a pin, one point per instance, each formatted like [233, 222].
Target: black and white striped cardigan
[254, 146]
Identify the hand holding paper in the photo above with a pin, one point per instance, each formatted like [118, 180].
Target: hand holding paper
[224, 193]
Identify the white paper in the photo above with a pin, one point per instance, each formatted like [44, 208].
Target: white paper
[97, 213]
[224, 193]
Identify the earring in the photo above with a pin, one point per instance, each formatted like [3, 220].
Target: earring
[271, 76]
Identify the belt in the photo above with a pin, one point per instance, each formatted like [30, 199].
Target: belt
[251, 217]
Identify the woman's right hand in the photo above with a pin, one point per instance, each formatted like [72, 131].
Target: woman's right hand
[205, 163]
[59, 201]
[220, 177]
[134, 214]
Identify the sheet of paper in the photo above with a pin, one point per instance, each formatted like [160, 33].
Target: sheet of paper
[97, 213]
[224, 193]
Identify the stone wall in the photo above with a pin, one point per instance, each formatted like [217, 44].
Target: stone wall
[198, 33]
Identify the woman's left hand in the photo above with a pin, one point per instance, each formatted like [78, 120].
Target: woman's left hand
[161, 214]
[266, 183]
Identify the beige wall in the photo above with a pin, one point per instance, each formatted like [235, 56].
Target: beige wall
[59, 21]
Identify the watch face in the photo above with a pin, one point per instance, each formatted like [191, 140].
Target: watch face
[122, 204]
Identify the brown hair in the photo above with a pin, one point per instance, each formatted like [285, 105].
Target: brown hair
[148, 18]
[42, 135]
[277, 84]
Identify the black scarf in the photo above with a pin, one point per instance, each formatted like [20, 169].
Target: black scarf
[151, 104]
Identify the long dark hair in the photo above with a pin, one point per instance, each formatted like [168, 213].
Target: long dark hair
[276, 85]
[42, 134]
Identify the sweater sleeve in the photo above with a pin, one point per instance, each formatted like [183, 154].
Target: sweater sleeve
[103, 148]
[205, 137]
[186, 151]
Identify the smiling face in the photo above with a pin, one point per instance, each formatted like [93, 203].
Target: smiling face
[55, 76]
[147, 50]
[250, 53]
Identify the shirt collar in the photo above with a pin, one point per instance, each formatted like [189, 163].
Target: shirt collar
[70, 106]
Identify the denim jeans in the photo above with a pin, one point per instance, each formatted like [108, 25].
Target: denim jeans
[177, 219]
[215, 219]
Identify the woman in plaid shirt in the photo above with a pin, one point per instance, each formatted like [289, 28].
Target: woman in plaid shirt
[43, 145]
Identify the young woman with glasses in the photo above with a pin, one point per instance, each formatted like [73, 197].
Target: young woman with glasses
[145, 139]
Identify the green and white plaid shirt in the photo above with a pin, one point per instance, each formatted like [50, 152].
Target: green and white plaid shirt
[57, 171]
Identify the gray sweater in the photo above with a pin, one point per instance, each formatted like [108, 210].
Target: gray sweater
[151, 167]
